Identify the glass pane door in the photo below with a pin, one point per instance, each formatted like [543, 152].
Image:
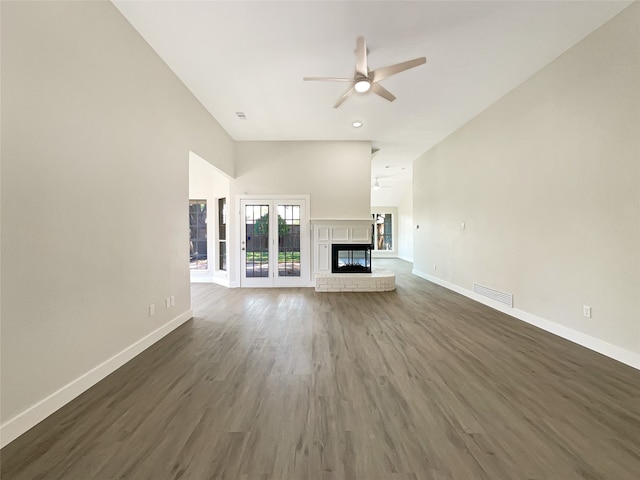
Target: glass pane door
[288, 240]
[274, 243]
[256, 241]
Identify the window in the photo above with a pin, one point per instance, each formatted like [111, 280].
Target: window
[222, 234]
[198, 235]
[382, 235]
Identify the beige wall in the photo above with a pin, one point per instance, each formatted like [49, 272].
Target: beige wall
[96, 134]
[547, 181]
[335, 174]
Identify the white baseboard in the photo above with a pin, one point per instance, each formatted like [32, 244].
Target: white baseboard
[200, 276]
[221, 281]
[201, 280]
[406, 259]
[612, 351]
[384, 254]
[33, 415]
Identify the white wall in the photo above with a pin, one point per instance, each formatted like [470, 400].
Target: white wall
[208, 183]
[96, 133]
[547, 181]
[406, 226]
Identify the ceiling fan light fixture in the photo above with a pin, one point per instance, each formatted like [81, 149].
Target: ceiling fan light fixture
[362, 85]
[364, 79]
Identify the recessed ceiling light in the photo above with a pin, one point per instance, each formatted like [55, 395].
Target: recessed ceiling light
[357, 124]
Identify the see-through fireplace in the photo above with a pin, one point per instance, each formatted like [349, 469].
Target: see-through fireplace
[351, 258]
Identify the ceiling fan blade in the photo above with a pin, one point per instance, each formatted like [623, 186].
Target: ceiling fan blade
[344, 97]
[383, 92]
[327, 79]
[385, 72]
[361, 57]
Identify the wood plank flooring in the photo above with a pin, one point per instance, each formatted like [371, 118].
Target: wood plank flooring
[415, 384]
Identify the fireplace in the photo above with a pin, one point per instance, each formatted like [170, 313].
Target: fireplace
[350, 258]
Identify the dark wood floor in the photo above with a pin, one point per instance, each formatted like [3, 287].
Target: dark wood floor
[416, 384]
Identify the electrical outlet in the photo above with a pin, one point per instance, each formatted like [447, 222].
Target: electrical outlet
[152, 310]
[586, 311]
[435, 267]
[173, 300]
[167, 302]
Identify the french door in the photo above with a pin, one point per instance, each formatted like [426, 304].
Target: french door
[274, 242]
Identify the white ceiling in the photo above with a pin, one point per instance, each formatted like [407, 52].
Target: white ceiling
[251, 56]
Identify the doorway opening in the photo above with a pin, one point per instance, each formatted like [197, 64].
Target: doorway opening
[209, 189]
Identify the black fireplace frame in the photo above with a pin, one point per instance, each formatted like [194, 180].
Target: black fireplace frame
[353, 267]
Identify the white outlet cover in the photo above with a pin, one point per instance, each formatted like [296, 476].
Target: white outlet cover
[152, 310]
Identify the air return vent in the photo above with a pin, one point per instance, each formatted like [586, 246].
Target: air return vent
[501, 297]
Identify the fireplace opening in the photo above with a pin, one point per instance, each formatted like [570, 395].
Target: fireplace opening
[350, 258]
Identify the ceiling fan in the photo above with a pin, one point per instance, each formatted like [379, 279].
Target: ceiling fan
[377, 186]
[365, 80]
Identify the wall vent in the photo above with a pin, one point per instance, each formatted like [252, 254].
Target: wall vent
[501, 297]
[241, 115]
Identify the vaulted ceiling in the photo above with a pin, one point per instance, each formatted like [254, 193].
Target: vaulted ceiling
[251, 57]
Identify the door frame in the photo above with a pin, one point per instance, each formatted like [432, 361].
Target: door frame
[273, 281]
